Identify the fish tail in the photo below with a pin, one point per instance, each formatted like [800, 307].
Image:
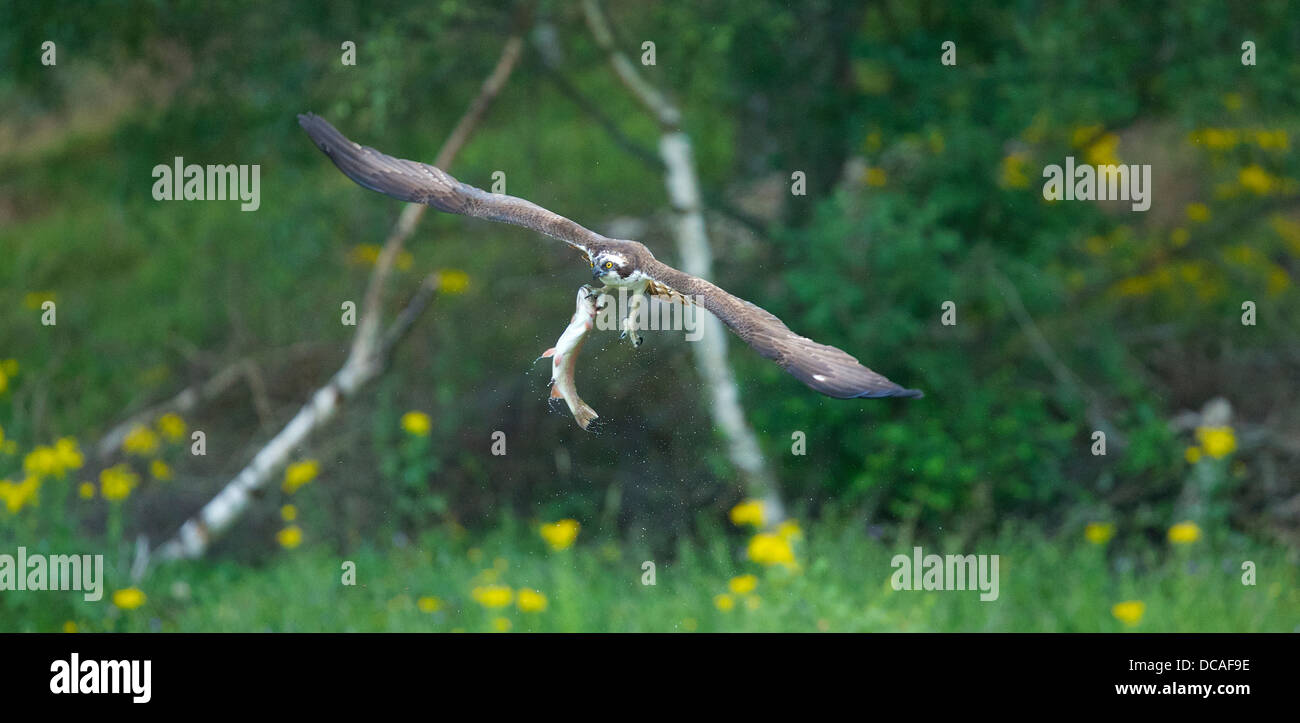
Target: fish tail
[584, 414]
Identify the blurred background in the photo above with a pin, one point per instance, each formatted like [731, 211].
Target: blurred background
[923, 186]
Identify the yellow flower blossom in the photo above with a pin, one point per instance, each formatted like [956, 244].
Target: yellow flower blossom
[531, 601]
[86, 490]
[1102, 151]
[452, 281]
[290, 537]
[416, 424]
[1083, 135]
[34, 299]
[298, 474]
[1012, 173]
[288, 513]
[1099, 533]
[69, 627]
[1218, 442]
[42, 462]
[768, 549]
[875, 177]
[428, 604]
[560, 535]
[493, 596]
[68, 454]
[1257, 180]
[116, 482]
[1184, 533]
[748, 512]
[17, 495]
[724, 602]
[1198, 212]
[140, 441]
[1192, 454]
[743, 584]
[1129, 612]
[129, 598]
[172, 427]
[501, 625]
[160, 470]
[790, 530]
[9, 367]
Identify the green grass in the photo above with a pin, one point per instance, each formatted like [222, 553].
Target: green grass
[842, 584]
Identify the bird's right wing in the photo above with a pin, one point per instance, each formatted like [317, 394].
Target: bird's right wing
[422, 183]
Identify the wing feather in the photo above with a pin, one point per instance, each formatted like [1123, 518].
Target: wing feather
[829, 370]
[422, 183]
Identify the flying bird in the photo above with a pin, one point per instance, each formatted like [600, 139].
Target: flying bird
[615, 262]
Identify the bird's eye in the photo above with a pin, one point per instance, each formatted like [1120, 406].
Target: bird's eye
[609, 264]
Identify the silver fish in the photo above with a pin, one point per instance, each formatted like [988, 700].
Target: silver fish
[565, 353]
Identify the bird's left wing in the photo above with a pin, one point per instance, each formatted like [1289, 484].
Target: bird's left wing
[829, 370]
[422, 183]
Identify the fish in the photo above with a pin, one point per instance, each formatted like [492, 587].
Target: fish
[564, 356]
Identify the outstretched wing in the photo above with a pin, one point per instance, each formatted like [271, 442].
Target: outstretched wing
[421, 183]
[829, 370]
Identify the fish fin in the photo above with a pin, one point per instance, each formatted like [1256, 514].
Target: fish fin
[584, 414]
[548, 352]
[555, 392]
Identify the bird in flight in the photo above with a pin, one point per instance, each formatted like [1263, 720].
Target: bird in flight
[614, 262]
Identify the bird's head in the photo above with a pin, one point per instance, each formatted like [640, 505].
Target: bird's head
[610, 267]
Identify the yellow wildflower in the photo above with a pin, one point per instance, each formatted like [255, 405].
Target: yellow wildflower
[748, 512]
[1218, 442]
[86, 490]
[501, 625]
[428, 604]
[160, 470]
[140, 441]
[1184, 533]
[34, 299]
[1198, 212]
[1013, 174]
[1256, 180]
[69, 627]
[288, 513]
[172, 427]
[416, 424]
[1192, 454]
[68, 454]
[1129, 612]
[531, 601]
[42, 462]
[743, 584]
[1102, 151]
[1099, 533]
[129, 598]
[768, 549]
[1082, 135]
[876, 177]
[290, 537]
[116, 482]
[493, 596]
[724, 602]
[790, 530]
[9, 367]
[298, 474]
[452, 281]
[17, 495]
[560, 535]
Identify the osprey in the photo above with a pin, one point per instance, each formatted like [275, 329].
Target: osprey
[615, 262]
